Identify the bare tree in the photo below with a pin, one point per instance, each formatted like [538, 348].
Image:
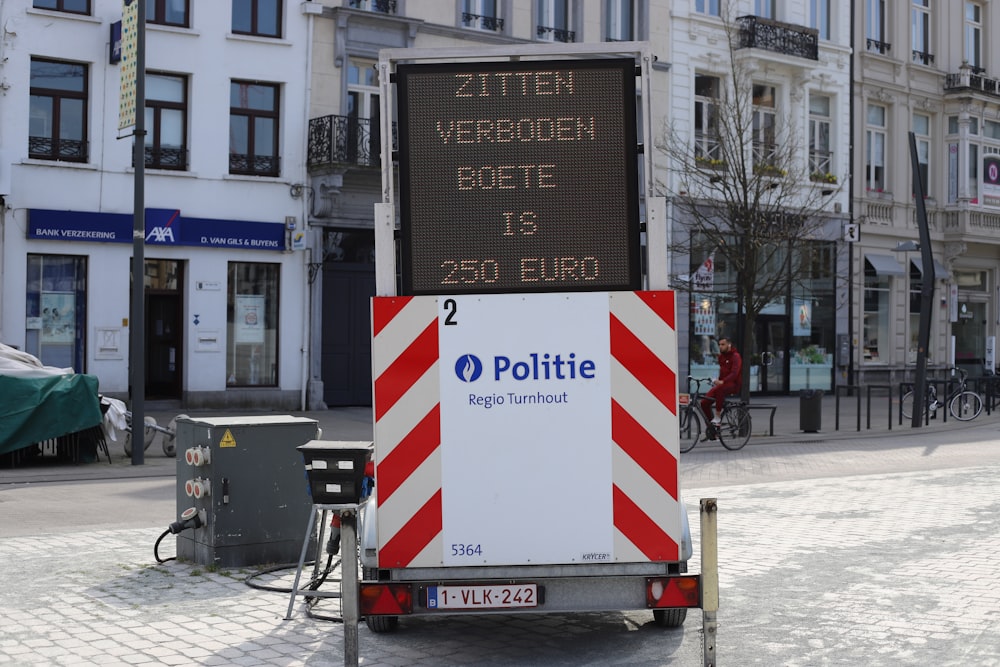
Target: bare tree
[744, 191]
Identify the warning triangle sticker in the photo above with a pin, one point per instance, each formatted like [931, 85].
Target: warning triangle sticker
[227, 440]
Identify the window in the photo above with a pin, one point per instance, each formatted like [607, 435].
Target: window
[58, 111]
[379, 6]
[922, 134]
[921, 29]
[820, 155]
[257, 17]
[56, 309]
[710, 7]
[554, 21]
[875, 149]
[765, 8]
[253, 128]
[973, 35]
[481, 15]
[168, 12]
[71, 6]
[166, 121]
[252, 338]
[707, 150]
[764, 128]
[974, 173]
[819, 17]
[876, 315]
[875, 26]
[363, 128]
[619, 21]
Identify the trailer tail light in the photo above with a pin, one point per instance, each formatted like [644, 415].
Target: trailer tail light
[672, 592]
[386, 599]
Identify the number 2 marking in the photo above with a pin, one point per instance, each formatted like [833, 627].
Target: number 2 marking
[452, 307]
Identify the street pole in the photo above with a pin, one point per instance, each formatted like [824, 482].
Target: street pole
[137, 317]
[926, 290]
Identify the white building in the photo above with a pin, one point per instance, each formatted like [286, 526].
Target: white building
[225, 167]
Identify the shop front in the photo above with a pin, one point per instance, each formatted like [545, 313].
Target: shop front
[214, 293]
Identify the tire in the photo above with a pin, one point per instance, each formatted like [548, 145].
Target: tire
[906, 405]
[690, 429]
[966, 406]
[670, 618]
[735, 430]
[382, 624]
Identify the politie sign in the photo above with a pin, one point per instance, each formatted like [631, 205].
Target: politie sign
[496, 415]
[518, 176]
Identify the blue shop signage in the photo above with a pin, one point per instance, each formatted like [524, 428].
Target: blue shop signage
[163, 227]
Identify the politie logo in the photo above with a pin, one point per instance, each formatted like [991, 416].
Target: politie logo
[468, 368]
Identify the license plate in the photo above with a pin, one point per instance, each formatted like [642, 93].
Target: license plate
[482, 597]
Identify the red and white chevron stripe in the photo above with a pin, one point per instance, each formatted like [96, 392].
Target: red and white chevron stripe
[408, 430]
[647, 512]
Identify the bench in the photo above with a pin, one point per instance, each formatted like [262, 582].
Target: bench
[771, 407]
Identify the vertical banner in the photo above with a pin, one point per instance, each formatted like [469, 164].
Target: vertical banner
[991, 180]
[128, 70]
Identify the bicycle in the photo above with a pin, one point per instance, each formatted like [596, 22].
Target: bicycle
[963, 403]
[733, 432]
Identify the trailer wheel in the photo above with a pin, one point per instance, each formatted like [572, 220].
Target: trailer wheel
[670, 618]
[382, 623]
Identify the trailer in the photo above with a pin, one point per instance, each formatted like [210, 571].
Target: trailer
[524, 357]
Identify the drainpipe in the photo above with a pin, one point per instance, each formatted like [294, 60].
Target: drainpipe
[310, 9]
[850, 208]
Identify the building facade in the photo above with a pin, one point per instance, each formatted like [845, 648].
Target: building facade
[781, 71]
[223, 189]
[930, 68]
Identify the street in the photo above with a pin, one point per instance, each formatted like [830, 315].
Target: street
[863, 551]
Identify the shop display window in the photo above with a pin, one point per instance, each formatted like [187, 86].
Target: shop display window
[252, 338]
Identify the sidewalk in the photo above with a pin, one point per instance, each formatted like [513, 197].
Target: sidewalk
[355, 423]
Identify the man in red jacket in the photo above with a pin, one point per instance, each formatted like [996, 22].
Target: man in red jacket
[727, 384]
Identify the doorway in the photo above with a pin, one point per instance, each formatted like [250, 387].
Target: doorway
[164, 324]
[770, 341]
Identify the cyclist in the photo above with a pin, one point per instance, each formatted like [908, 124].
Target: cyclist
[728, 383]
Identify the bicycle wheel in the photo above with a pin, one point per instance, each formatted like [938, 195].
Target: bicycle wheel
[735, 429]
[906, 405]
[967, 405]
[690, 427]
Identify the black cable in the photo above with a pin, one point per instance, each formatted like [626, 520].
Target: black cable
[156, 548]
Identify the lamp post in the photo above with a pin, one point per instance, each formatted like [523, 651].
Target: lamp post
[926, 287]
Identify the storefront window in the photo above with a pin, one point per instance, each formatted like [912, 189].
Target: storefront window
[252, 340]
[876, 316]
[56, 308]
[810, 363]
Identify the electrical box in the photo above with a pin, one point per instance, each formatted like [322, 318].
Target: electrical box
[246, 475]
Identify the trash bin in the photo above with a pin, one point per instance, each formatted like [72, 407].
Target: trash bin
[810, 410]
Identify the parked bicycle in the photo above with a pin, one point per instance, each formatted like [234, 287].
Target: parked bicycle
[733, 432]
[963, 403]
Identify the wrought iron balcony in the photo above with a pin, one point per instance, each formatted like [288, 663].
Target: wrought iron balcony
[876, 46]
[254, 165]
[923, 58]
[164, 158]
[378, 6]
[346, 140]
[47, 148]
[967, 79]
[757, 32]
[482, 22]
[555, 34]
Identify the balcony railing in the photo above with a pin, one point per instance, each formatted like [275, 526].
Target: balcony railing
[967, 79]
[346, 140]
[820, 163]
[707, 150]
[792, 40]
[555, 34]
[164, 158]
[379, 6]
[876, 46]
[482, 22]
[254, 165]
[47, 148]
[923, 58]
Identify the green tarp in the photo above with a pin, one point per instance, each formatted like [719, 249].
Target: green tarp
[36, 409]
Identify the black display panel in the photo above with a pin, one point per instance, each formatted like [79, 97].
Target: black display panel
[518, 177]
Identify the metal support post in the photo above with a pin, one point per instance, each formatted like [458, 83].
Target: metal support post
[709, 578]
[350, 587]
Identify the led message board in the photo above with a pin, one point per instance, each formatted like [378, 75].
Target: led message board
[518, 177]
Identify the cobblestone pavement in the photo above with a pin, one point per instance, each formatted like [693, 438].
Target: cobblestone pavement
[862, 551]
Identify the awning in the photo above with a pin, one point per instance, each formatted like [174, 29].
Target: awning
[940, 272]
[885, 265]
